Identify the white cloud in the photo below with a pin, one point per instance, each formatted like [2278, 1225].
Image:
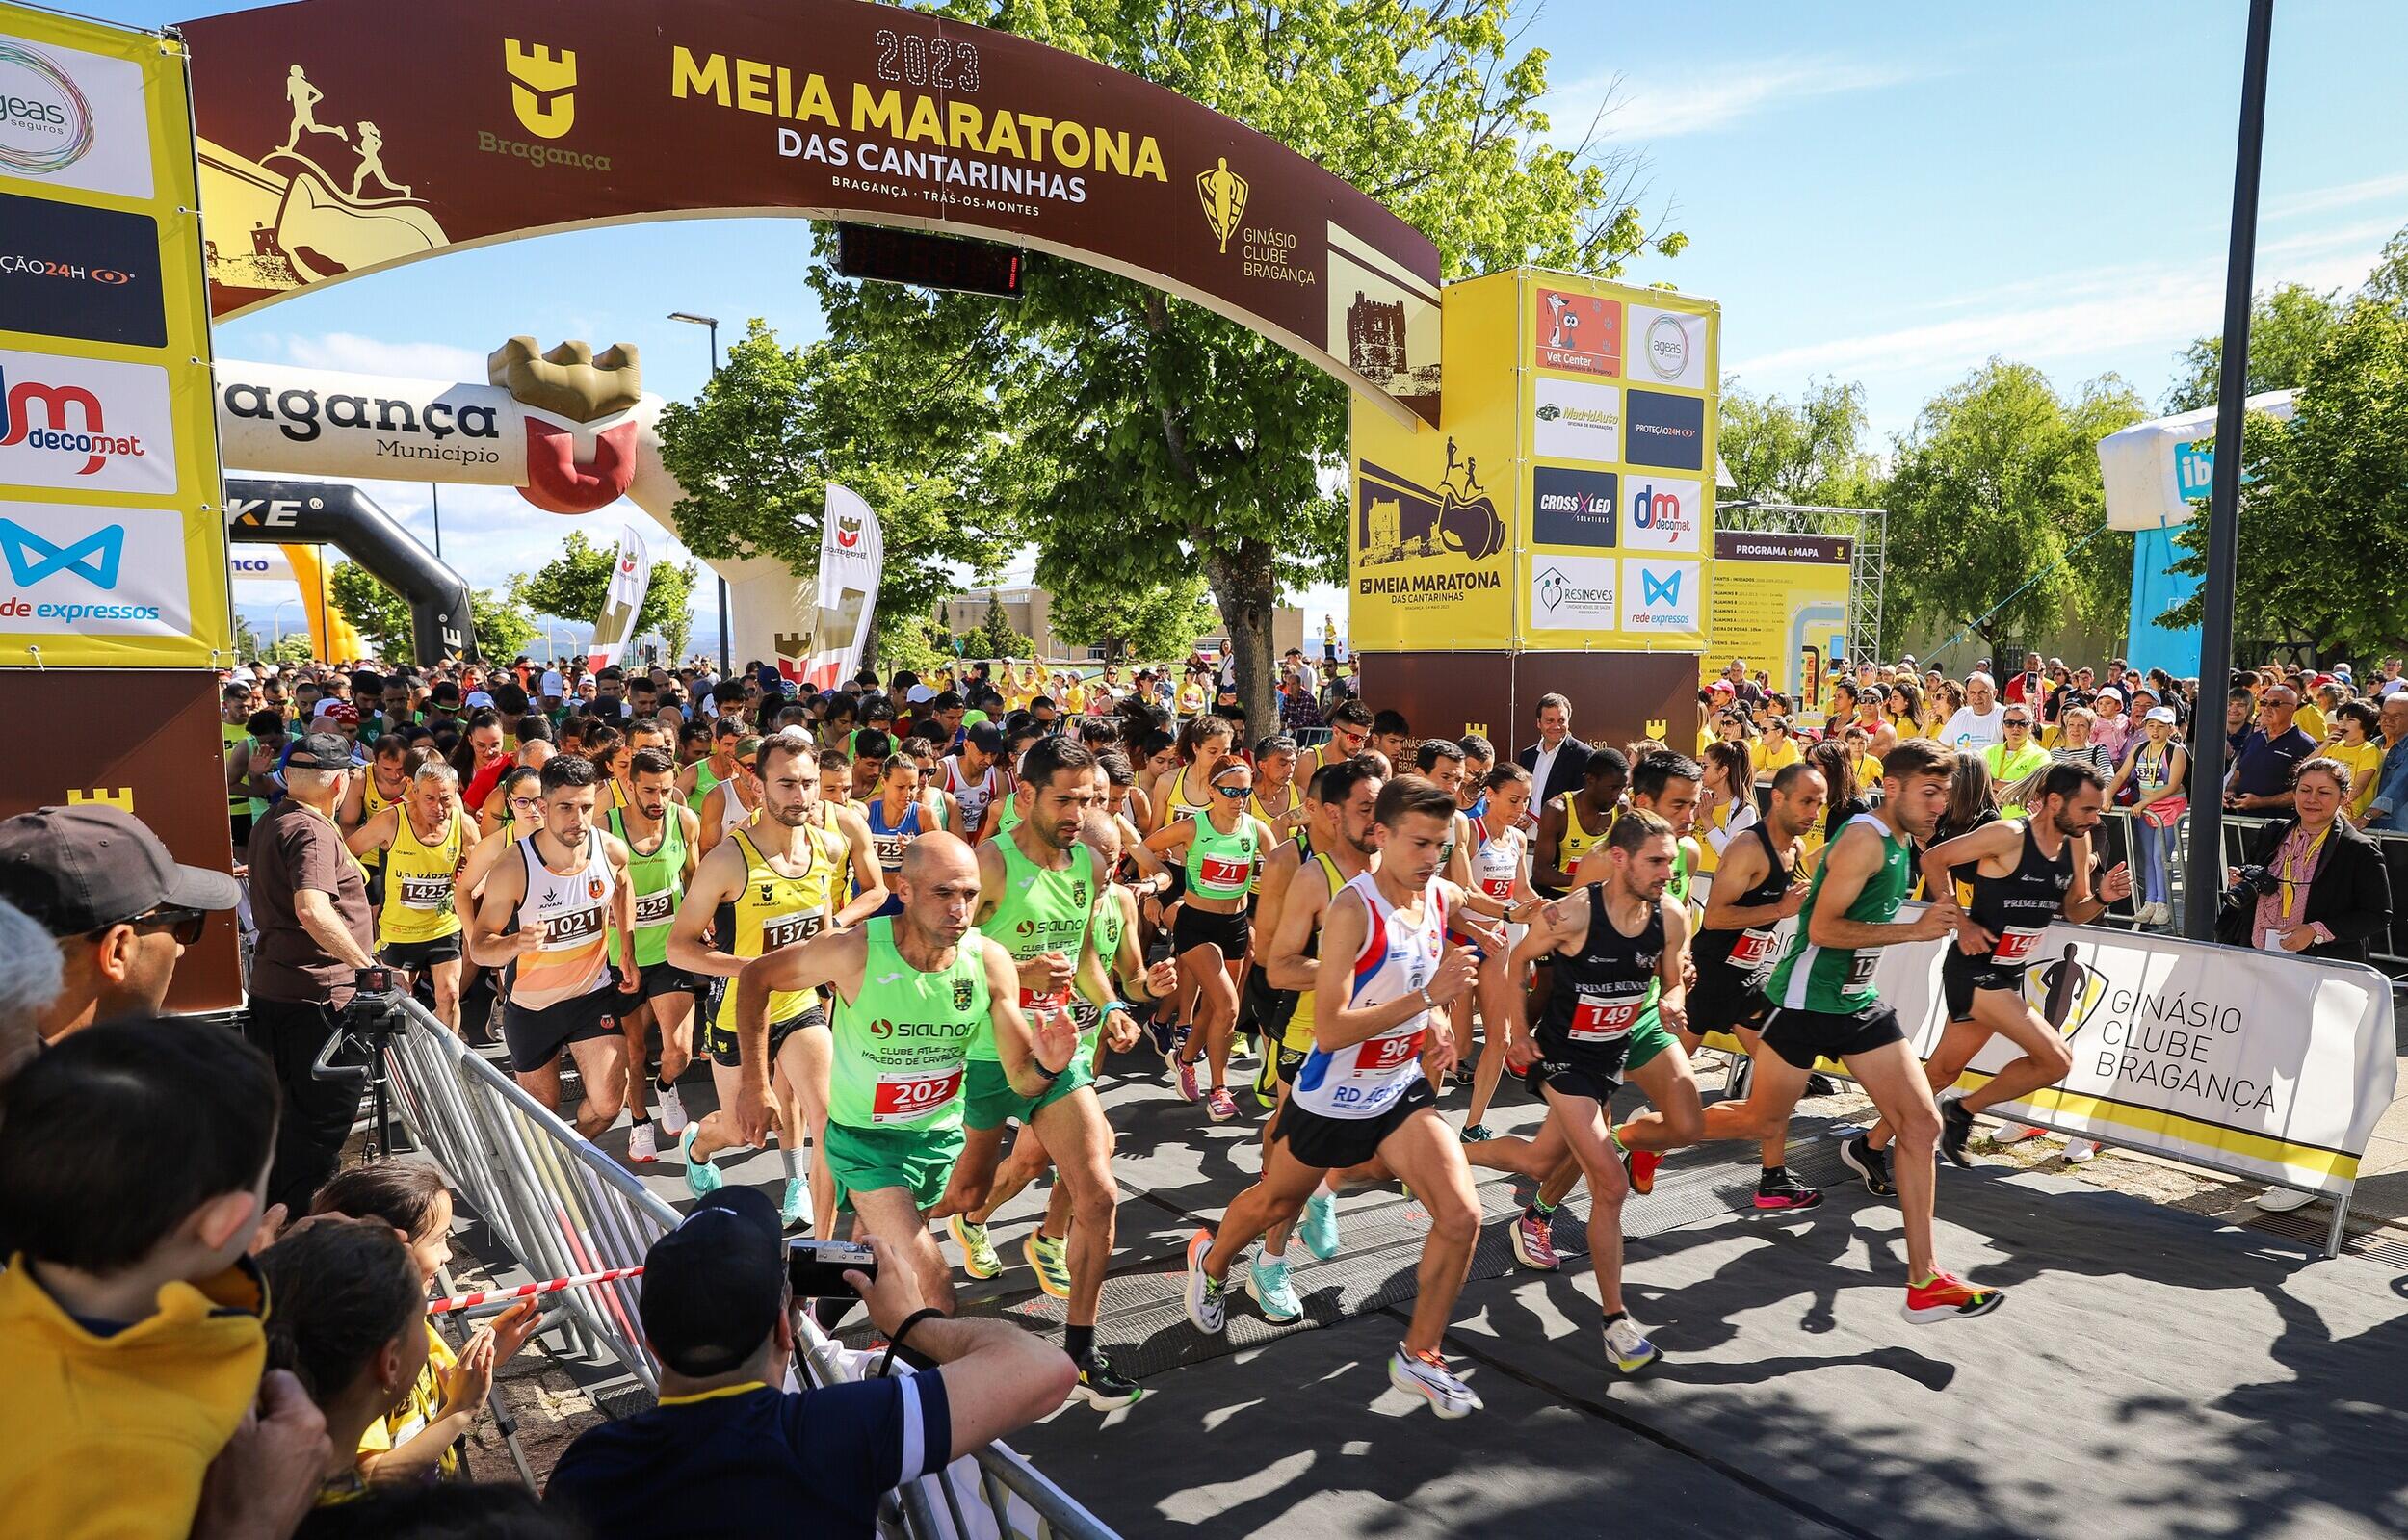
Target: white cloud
[367, 355]
[2347, 194]
[2076, 315]
[1661, 105]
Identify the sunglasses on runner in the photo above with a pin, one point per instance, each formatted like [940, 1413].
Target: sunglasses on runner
[2019, 721]
[1233, 791]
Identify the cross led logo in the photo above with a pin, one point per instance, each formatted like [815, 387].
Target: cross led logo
[31, 559]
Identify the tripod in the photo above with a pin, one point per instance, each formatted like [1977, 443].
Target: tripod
[373, 1019]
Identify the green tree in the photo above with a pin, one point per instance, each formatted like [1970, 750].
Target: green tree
[574, 583]
[774, 425]
[1997, 517]
[1812, 451]
[1145, 621]
[1148, 433]
[2288, 325]
[993, 637]
[2327, 495]
[383, 617]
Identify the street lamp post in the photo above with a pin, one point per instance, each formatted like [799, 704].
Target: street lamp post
[275, 622]
[727, 664]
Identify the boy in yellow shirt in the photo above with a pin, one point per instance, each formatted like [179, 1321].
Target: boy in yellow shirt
[131, 1341]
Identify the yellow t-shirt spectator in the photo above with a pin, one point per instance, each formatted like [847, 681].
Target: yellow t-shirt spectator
[1771, 757]
[420, 1407]
[2366, 773]
[2310, 719]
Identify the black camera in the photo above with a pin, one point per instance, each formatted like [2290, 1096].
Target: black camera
[2255, 881]
[815, 1268]
[376, 1003]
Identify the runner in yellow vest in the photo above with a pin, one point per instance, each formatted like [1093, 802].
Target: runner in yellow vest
[422, 840]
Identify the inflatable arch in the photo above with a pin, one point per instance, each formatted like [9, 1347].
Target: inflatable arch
[342, 137]
[302, 515]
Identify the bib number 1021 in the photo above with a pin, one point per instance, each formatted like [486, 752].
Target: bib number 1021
[940, 63]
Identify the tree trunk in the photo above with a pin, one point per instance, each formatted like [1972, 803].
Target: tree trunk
[1248, 595]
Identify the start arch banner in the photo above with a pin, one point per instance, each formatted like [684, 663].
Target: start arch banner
[338, 137]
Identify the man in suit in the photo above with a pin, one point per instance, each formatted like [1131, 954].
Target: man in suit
[1557, 760]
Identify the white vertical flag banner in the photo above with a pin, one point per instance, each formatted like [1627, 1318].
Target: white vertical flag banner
[852, 556]
[631, 574]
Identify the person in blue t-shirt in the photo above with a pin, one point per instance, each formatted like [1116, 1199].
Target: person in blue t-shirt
[728, 1453]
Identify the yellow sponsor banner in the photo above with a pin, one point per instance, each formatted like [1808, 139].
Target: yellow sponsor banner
[1428, 558]
[1615, 484]
[111, 529]
[1780, 606]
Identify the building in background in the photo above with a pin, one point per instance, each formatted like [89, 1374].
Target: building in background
[1029, 609]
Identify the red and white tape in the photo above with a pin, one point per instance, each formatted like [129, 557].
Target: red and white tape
[549, 1286]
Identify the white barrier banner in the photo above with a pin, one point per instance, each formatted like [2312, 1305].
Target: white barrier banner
[2273, 1067]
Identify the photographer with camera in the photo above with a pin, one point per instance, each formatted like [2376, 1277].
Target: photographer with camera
[728, 1452]
[310, 902]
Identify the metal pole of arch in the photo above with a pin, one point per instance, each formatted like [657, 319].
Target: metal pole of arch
[2206, 855]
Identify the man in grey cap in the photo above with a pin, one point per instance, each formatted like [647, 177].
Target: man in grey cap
[121, 909]
[310, 902]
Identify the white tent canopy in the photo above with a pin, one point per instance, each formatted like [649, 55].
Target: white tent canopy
[2139, 463]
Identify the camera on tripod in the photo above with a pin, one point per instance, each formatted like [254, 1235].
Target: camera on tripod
[376, 1004]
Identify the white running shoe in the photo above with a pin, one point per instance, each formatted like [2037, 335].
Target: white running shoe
[2282, 1200]
[642, 1146]
[1628, 1346]
[2006, 1133]
[2081, 1151]
[1427, 1375]
[1206, 1310]
[673, 1113]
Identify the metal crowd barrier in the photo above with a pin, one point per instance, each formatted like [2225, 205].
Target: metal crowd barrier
[563, 1207]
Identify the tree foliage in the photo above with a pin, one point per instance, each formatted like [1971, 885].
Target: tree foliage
[2326, 501]
[993, 637]
[574, 583]
[1996, 516]
[2287, 326]
[383, 617]
[1150, 620]
[1147, 433]
[1810, 451]
[774, 425]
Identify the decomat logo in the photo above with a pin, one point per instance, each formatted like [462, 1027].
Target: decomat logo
[542, 86]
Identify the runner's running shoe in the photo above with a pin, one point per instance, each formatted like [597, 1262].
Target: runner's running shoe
[1477, 1133]
[794, 1211]
[1534, 1244]
[1220, 1107]
[2006, 1133]
[1103, 1387]
[1050, 1260]
[978, 1252]
[673, 1114]
[1319, 1226]
[1464, 1075]
[1190, 1084]
[1266, 1281]
[642, 1145]
[1627, 1345]
[1266, 1080]
[1427, 1375]
[1956, 1127]
[1641, 1165]
[1206, 1310]
[2078, 1151]
[1870, 1166]
[1944, 1296]
[703, 1178]
[1784, 1192]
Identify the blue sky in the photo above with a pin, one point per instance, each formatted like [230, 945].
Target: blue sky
[1889, 193]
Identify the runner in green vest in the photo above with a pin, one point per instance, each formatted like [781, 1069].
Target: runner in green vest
[910, 990]
[1037, 894]
[663, 837]
[1826, 1005]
